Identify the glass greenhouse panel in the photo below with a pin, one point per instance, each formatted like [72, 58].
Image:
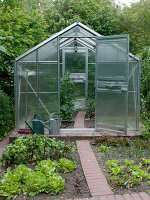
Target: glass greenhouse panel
[78, 31]
[26, 95]
[111, 83]
[27, 76]
[27, 109]
[133, 95]
[79, 91]
[75, 42]
[108, 104]
[48, 81]
[48, 104]
[30, 57]
[48, 52]
[37, 84]
[75, 62]
[91, 56]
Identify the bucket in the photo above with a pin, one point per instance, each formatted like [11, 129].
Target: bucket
[55, 125]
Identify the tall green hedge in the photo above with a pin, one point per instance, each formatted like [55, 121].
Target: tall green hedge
[145, 85]
[6, 114]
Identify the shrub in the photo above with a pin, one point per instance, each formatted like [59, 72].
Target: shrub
[145, 92]
[6, 114]
[145, 84]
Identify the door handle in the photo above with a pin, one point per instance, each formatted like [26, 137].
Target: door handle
[109, 85]
[124, 89]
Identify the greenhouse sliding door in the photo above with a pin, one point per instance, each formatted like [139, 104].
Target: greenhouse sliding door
[111, 105]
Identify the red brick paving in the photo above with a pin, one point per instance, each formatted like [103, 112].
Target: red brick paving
[119, 197]
[70, 136]
[133, 196]
[136, 196]
[95, 179]
[79, 120]
[145, 196]
[127, 197]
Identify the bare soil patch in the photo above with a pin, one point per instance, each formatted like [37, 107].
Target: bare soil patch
[66, 124]
[89, 123]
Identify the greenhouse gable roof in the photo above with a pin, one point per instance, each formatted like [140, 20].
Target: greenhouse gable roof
[60, 33]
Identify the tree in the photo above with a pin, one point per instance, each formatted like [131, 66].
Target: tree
[27, 30]
[100, 15]
[135, 21]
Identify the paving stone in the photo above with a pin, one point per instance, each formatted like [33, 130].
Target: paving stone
[119, 197]
[128, 197]
[145, 196]
[136, 196]
[103, 198]
[111, 197]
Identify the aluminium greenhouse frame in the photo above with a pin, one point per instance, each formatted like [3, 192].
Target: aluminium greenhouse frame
[30, 75]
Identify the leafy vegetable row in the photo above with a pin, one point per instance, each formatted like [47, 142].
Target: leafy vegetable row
[44, 179]
[128, 173]
[34, 148]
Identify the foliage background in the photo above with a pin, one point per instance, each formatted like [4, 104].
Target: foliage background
[29, 22]
[6, 114]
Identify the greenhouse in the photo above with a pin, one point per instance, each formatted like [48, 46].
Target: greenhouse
[96, 64]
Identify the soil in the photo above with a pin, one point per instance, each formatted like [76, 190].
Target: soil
[117, 153]
[70, 179]
[65, 124]
[89, 123]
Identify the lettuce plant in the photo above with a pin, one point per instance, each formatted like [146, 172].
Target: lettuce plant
[133, 174]
[43, 179]
[66, 165]
[103, 148]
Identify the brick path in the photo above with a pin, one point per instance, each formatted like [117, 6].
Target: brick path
[133, 196]
[79, 120]
[98, 186]
[95, 179]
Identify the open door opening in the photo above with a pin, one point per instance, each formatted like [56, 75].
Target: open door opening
[75, 62]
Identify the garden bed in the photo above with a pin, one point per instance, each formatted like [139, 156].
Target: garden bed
[89, 123]
[75, 182]
[118, 152]
[70, 179]
[66, 124]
